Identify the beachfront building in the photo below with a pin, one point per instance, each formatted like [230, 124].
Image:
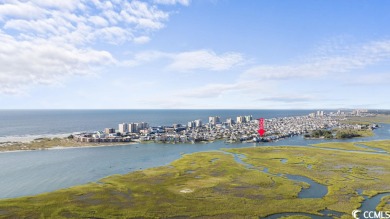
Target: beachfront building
[132, 128]
[191, 124]
[248, 118]
[240, 119]
[123, 128]
[244, 119]
[229, 121]
[142, 125]
[213, 120]
[198, 123]
[109, 130]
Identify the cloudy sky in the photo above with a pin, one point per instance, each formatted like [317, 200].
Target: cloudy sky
[131, 54]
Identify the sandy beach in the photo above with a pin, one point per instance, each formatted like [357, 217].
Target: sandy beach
[48, 143]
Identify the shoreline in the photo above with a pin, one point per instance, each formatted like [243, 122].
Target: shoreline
[31, 138]
[64, 141]
[139, 143]
[61, 147]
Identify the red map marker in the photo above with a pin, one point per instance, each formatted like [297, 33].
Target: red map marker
[261, 130]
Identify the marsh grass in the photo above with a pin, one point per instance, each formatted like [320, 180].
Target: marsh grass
[385, 144]
[46, 143]
[379, 118]
[384, 205]
[350, 146]
[216, 186]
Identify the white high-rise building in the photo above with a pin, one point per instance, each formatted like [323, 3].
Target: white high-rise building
[229, 121]
[240, 119]
[123, 128]
[133, 128]
[191, 124]
[213, 120]
[198, 123]
[320, 113]
[248, 118]
[142, 125]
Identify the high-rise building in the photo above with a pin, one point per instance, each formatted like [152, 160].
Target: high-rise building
[198, 123]
[213, 120]
[240, 119]
[191, 124]
[123, 128]
[133, 127]
[142, 125]
[248, 118]
[109, 130]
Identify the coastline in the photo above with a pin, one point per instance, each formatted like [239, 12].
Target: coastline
[72, 144]
[59, 146]
[30, 138]
[64, 141]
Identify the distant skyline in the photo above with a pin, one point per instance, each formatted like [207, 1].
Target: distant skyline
[199, 54]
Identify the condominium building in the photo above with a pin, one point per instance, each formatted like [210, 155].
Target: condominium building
[109, 130]
[198, 123]
[123, 128]
[213, 120]
[133, 128]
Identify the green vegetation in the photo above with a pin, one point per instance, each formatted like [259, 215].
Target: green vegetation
[379, 118]
[320, 134]
[45, 143]
[213, 184]
[354, 146]
[340, 133]
[343, 172]
[349, 133]
[384, 205]
[351, 146]
[385, 144]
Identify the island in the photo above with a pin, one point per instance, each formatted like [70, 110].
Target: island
[316, 125]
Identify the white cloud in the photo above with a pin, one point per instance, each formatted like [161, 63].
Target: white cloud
[63, 20]
[24, 63]
[370, 79]
[352, 59]
[98, 21]
[62, 5]
[43, 41]
[173, 2]
[20, 10]
[288, 98]
[204, 59]
[190, 60]
[210, 90]
[141, 39]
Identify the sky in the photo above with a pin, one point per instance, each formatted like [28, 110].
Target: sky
[194, 54]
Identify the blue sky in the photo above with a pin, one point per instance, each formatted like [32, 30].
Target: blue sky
[257, 54]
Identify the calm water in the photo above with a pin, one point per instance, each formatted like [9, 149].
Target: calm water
[34, 172]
